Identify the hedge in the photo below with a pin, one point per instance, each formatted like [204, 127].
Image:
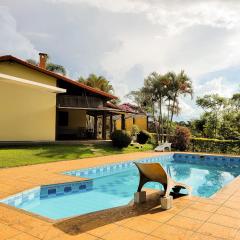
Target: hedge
[120, 138]
[214, 145]
[143, 136]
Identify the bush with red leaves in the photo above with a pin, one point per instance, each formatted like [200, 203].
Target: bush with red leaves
[181, 138]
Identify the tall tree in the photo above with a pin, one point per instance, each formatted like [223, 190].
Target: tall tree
[179, 84]
[98, 82]
[161, 93]
[159, 88]
[212, 104]
[235, 100]
[176, 86]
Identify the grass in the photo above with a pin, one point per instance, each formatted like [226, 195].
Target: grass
[20, 156]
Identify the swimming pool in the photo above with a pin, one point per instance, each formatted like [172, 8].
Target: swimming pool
[113, 185]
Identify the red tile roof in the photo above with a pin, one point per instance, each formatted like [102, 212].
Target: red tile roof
[114, 106]
[58, 76]
[131, 108]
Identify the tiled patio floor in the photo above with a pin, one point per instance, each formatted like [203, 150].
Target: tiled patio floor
[190, 218]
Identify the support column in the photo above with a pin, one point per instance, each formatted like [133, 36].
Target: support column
[147, 119]
[111, 123]
[123, 124]
[95, 126]
[104, 125]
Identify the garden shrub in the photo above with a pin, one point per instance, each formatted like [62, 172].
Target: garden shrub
[152, 139]
[181, 138]
[215, 145]
[143, 136]
[120, 138]
[135, 130]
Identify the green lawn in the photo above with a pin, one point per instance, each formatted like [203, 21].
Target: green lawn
[19, 156]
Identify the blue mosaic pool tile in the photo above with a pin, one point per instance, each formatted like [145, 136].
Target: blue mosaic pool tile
[21, 198]
[65, 188]
[48, 191]
[206, 159]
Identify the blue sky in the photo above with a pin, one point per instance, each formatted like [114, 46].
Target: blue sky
[128, 39]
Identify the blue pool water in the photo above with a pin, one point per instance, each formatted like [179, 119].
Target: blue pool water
[114, 185]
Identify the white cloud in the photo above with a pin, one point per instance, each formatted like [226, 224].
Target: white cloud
[188, 110]
[173, 15]
[126, 40]
[125, 6]
[217, 85]
[177, 17]
[12, 41]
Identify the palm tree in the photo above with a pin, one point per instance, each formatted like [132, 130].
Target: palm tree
[156, 86]
[180, 84]
[50, 67]
[163, 91]
[170, 79]
[98, 82]
[56, 68]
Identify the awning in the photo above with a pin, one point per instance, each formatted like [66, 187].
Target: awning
[95, 109]
[17, 80]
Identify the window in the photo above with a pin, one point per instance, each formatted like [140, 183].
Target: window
[67, 189]
[63, 119]
[52, 191]
[82, 187]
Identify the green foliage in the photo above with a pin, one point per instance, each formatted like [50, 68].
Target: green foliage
[230, 126]
[197, 126]
[153, 139]
[215, 145]
[120, 138]
[181, 139]
[160, 94]
[221, 118]
[235, 100]
[50, 66]
[98, 82]
[212, 104]
[135, 130]
[56, 68]
[143, 137]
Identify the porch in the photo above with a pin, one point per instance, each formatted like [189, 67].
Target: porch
[78, 123]
[81, 115]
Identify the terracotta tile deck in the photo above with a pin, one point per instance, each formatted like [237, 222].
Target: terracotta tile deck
[190, 218]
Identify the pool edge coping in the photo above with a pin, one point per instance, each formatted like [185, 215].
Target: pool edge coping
[80, 179]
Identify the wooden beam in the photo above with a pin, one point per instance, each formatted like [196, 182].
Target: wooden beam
[95, 126]
[111, 123]
[147, 119]
[123, 123]
[104, 126]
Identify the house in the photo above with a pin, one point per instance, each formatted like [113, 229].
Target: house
[134, 116]
[40, 105]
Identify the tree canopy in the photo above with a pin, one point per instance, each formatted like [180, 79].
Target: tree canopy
[221, 118]
[98, 82]
[160, 96]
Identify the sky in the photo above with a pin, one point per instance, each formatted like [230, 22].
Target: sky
[127, 40]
